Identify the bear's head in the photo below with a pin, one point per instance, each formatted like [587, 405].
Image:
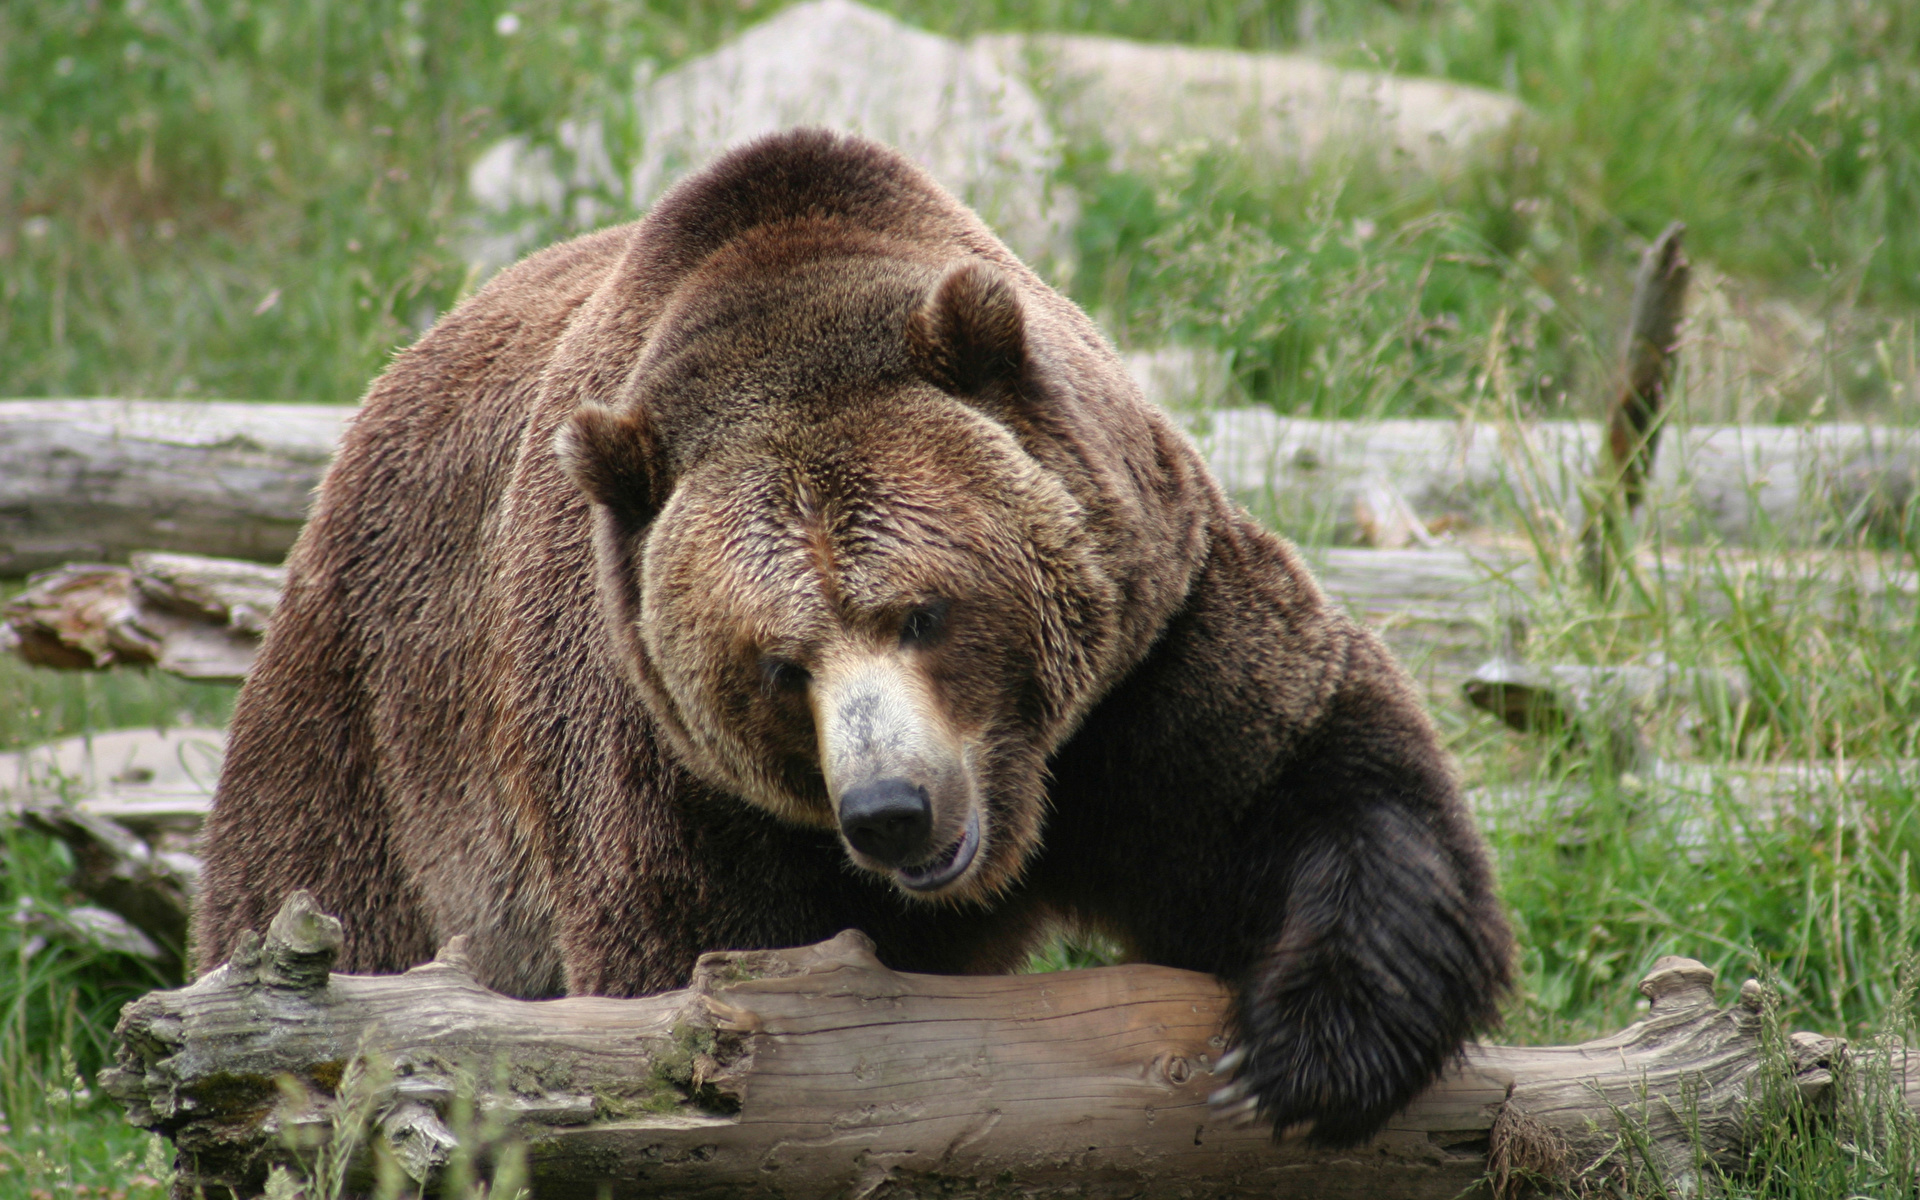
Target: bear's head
[845, 589]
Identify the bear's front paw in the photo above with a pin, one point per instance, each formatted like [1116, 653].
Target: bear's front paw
[1235, 1104]
[1299, 1104]
[1333, 1073]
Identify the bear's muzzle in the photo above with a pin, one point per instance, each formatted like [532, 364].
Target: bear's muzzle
[897, 771]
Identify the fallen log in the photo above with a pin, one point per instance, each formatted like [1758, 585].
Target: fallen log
[203, 618]
[1796, 484]
[200, 618]
[129, 805]
[1687, 804]
[95, 480]
[1547, 699]
[158, 784]
[817, 1071]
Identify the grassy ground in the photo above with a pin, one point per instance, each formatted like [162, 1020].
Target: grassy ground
[264, 200]
[215, 198]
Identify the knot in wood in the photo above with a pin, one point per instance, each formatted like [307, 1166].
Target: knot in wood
[453, 955]
[301, 945]
[1815, 1050]
[1176, 1069]
[243, 965]
[1677, 983]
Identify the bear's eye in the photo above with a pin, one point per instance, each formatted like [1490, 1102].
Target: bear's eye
[783, 676]
[924, 625]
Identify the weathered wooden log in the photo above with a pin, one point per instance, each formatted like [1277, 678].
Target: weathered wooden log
[149, 888]
[819, 1072]
[1601, 706]
[1687, 801]
[95, 480]
[204, 617]
[129, 805]
[1639, 412]
[1729, 483]
[201, 618]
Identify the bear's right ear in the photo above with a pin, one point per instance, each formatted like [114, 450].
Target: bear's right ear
[609, 456]
[969, 333]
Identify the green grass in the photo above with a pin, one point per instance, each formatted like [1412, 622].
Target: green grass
[39, 705]
[1339, 293]
[203, 197]
[265, 200]
[57, 1009]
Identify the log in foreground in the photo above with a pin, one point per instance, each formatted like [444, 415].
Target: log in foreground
[817, 1071]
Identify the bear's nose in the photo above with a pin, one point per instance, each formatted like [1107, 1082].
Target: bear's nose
[888, 820]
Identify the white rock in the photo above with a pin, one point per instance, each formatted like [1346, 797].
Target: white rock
[1181, 377]
[959, 110]
[521, 185]
[985, 117]
[1150, 103]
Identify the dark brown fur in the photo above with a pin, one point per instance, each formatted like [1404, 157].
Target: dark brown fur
[547, 670]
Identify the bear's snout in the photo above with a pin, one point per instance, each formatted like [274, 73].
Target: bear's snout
[896, 769]
[888, 820]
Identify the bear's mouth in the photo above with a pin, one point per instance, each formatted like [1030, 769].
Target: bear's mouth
[932, 876]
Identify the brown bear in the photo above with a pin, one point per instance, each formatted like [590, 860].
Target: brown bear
[792, 560]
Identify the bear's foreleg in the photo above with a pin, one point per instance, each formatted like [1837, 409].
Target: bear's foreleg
[1387, 950]
[1265, 799]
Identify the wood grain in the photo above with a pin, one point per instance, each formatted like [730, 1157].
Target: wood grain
[817, 1071]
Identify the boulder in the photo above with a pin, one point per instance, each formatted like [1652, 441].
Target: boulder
[1151, 105]
[988, 116]
[964, 112]
[960, 110]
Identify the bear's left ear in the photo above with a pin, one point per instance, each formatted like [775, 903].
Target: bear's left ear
[969, 333]
[609, 455]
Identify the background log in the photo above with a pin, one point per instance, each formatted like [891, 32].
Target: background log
[1716, 482]
[201, 618]
[818, 1072]
[95, 480]
[129, 805]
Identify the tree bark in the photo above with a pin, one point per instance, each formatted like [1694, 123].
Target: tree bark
[817, 1071]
